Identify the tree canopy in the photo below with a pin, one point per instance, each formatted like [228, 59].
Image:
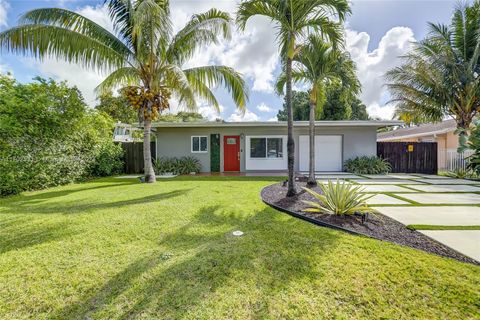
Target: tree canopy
[333, 108]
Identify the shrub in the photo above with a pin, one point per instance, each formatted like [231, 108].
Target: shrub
[474, 144]
[108, 161]
[49, 137]
[187, 165]
[184, 165]
[368, 165]
[341, 198]
[460, 173]
[165, 165]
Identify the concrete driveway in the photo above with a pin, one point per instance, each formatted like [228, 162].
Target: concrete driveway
[428, 202]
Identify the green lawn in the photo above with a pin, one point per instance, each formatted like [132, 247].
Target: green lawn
[116, 248]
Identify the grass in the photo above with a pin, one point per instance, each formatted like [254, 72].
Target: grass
[118, 249]
[434, 227]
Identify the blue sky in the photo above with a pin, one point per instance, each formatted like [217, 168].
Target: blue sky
[377, 32]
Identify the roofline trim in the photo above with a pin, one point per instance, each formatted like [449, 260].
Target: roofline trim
[415, 135]
[374, 123]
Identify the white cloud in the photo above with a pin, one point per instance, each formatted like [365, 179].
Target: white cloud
[264, 108]
[273, 119]
[4, 6]
[210, 113]
[372, 65]
[238, 117]
[382, 112]
[98, 14]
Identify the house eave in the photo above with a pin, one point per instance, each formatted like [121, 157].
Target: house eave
[415, 135]
[213, 124]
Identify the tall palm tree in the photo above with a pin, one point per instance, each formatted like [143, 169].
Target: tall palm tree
[294, 20]
[319, 65]
[142, 55]
[440, 76]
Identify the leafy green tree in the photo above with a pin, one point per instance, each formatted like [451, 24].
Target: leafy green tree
[117, 107]
[181, 117]
[359, 110]
[143, 56]
[333, 109]
[316, 65]
[49, 137]
[440, 76]
[299, 107]
[294, 20]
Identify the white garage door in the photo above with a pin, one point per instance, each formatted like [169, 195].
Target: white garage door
[328, 153]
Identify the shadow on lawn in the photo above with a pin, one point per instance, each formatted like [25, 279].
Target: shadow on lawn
[36, 197]
[21, 233]
[77, 206]
[272, 253]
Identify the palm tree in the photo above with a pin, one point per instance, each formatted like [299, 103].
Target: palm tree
[440, 76]
[319, 65]
[142, 55]
[294, 20]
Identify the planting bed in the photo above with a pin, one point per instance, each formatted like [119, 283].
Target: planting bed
[376, 225]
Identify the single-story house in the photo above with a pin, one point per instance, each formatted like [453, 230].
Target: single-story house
[262, 146]
[443, 133]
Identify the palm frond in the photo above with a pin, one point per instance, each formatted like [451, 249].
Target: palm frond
[43, 41]
[75, 22]
[203, 29]
[126, 76]
[268, 8]
[227, 77]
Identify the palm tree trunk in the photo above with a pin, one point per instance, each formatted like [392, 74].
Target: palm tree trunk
[147, 156]
[290, 142]
[311, 165]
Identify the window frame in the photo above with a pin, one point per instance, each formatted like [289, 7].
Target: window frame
[199, 144]
[266, 148]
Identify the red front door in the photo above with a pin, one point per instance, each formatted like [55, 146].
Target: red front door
[231, 153]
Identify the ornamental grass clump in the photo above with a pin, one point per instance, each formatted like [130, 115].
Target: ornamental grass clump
[340, 198]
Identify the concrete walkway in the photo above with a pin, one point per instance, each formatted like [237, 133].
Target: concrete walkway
[441, 201]
[464, 241]
[437, 216]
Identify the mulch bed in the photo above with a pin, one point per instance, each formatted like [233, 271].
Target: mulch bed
[377, 226]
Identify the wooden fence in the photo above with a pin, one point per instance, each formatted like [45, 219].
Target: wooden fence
[410, 157]
[133, 156]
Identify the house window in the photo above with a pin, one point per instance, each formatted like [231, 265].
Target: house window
[199, 144]
[266, 148]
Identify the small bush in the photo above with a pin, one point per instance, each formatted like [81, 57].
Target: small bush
[187, 165]
[368, 165]
[184, 165]
[108, 161]
[341, 198]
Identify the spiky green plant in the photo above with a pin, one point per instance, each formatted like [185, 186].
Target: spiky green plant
[294, 20]
[340, 198]
[142, 54]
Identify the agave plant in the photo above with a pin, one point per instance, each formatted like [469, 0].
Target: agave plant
[339, 198]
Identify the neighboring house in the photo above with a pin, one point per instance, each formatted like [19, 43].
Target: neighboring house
[262, 146]
[123, 132]
[443, 133]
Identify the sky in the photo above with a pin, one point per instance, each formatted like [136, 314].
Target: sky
[377, 33]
